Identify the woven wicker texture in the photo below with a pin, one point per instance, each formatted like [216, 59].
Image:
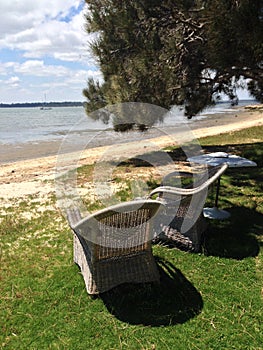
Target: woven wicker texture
[113, 246]
[184, 223]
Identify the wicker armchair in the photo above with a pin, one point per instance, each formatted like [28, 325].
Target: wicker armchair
[183, 224]
[113, 245]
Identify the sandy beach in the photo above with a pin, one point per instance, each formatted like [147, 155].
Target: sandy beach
[34, 176]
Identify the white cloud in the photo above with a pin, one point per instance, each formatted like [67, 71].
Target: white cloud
[39, 69]
[28, 81]
[36, 28]
[44, 49]
[17, 15]
[13, 81]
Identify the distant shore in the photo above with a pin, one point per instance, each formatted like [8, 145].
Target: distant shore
[40, 104]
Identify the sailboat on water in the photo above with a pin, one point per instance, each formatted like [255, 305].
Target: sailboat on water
[45, 106]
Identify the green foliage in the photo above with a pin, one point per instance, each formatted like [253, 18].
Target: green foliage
[174, 53]
[234, 44]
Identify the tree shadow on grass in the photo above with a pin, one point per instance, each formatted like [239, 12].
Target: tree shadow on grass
[252, 151]
[153, 159]
[172, 301]
[238, 237]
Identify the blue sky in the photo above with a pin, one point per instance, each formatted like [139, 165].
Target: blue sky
[44, 51]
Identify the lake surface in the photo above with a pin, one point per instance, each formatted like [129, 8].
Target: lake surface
[21, 128]
[22, 125]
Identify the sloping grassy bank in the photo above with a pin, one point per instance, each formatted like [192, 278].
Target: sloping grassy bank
[211, 300]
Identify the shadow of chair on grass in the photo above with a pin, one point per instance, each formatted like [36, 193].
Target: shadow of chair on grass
[172, 301]
[238, 237]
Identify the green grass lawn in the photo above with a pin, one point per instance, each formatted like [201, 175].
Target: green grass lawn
[211, 300]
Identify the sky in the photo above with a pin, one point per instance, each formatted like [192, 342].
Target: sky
[44, 51]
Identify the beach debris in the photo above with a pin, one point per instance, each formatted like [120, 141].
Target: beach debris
[258, 107]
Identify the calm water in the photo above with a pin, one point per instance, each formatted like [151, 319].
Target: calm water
[32, 125]
[22, 125]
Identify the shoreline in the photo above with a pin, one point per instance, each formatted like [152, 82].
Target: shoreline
[212, 124]
[32, 175]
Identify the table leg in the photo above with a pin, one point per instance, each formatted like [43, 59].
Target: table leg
[215, 213]
[217, 191]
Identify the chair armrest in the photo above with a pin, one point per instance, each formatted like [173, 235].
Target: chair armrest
[73, 216]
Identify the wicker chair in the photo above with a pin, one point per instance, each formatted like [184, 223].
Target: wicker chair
[113, 245]
[183, 224]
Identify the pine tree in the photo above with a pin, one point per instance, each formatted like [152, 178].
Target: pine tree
[174, 53]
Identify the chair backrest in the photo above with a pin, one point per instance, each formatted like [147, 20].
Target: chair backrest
[185, 204]
[201, 178]
[123, 226]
